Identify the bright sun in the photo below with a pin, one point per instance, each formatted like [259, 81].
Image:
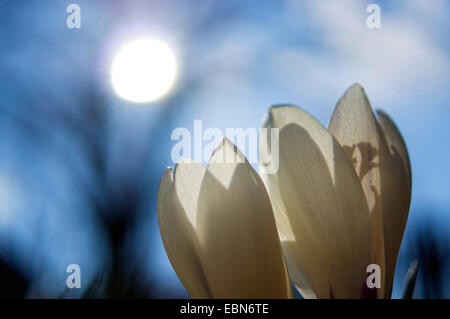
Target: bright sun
[143, 71]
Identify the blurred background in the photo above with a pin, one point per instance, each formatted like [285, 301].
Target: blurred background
[80, 165]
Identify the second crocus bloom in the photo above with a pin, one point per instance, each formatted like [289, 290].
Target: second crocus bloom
[341, 197]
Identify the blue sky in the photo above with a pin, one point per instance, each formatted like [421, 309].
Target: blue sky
[235, 59]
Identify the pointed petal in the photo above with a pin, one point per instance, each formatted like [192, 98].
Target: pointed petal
[395, 222]
[179, 239]
[240, 249]
[317, 192]
[397, 147]
[355, 127]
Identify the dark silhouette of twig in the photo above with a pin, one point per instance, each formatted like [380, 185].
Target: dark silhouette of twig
[410, 280]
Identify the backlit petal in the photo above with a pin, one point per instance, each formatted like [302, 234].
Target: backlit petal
[355, 127]
[320, 207]
[240, 249]
[179, 239]
[395, 222]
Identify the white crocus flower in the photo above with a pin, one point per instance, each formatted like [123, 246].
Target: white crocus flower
[219, 231]
[341, 197]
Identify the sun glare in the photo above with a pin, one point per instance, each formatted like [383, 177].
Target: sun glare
[143, 71]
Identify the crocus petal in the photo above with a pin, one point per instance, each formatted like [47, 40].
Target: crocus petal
[240, 249]
[357, 130]
[317, 192]
[397, 147]
[395, 223]
[178, 235]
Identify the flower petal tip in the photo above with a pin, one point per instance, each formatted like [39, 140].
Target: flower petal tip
[226, 152]
[167, 174]
[381, 115]
[355, 86]
[268, 119]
